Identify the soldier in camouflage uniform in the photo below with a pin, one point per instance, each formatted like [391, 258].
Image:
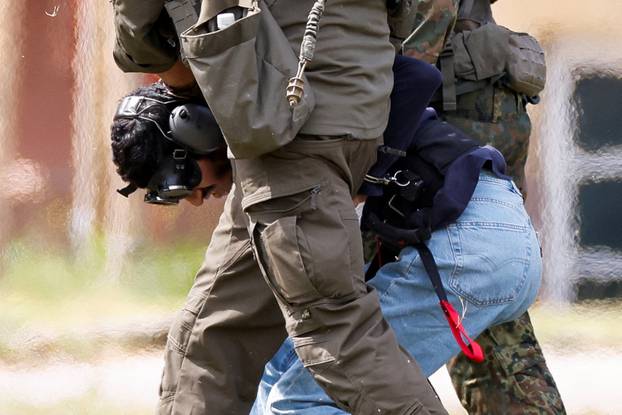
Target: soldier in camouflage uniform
[514, 379]
[494, 115]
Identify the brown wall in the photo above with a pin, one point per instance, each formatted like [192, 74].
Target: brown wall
[45, 100]
[43, 105]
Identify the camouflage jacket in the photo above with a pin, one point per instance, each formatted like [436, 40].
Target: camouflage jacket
[434, 22]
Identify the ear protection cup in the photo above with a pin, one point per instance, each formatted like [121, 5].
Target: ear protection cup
[195, 127]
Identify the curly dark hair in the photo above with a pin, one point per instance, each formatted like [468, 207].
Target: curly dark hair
[137, 143]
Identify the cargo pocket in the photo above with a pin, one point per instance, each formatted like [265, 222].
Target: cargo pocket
[283, 249]
[243, 71]
[176, 347]
[316, 356]
[355, 248]
[334, 246]
[313, 353]
[524, 368]
[308, 253]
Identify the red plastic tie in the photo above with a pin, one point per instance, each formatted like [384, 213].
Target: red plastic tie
[470, 348]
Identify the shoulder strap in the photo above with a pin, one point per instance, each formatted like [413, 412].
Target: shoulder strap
[446, 61]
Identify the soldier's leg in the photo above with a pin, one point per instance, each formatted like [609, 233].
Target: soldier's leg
[230, 326]
[307, 238]
[514, 378]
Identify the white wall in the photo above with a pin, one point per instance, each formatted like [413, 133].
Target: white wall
[579, 38]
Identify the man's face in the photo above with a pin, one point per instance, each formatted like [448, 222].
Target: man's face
[211, 184]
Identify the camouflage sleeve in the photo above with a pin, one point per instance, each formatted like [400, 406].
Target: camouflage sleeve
[434, 22]
[145, 38]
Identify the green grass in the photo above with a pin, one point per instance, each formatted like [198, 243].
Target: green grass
[49, 290]
[49, 272]
[87, 404]
[583, 326]
[46, 291]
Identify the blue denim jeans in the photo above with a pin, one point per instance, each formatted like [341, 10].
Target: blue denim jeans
[490, 264]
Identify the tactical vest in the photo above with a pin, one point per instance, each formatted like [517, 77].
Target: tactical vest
[481, 53]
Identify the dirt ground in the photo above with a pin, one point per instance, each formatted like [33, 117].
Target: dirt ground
[128, 384]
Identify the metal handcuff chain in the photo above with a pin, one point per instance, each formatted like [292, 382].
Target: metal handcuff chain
[394, 179]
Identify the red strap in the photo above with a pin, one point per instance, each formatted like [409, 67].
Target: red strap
[471, 349]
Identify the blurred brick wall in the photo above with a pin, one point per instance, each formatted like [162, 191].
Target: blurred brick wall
[43, 105]
[43, 135]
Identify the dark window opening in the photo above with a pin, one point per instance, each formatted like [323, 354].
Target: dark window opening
[598, 100]
[600, 214]
[593, 290]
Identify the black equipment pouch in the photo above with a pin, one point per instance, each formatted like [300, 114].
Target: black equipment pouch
[397, 217]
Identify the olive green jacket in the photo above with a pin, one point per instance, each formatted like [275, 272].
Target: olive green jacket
[350, 76]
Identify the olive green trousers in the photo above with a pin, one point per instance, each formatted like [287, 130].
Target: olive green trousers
[286, 259]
